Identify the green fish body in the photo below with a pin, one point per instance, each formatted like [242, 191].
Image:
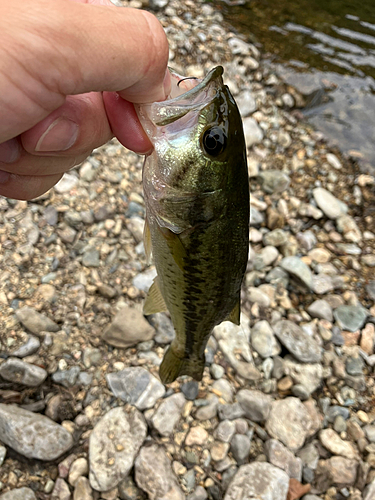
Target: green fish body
[197, 216]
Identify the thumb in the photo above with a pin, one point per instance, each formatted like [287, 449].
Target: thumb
[49, 50]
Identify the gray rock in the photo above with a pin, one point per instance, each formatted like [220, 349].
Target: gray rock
[107, 291]
[307, 240]
[153, 473]
[31, 345]
[19, 494]
[334, 161]
[61, 490]
[3, 453]
[35, 322]
[263, 340]
[370, 433]
[128, 328]
[246, 103]
[230, 412]
[128, 490]
[339, 424]
[297, 341]
[320, 309]
[234, 342]
[113, 446]
[66, 183]
[253, 133]
[168, 414]
[82, 490]
[298, 270]
[144, 280]
[225, 431]
[91, 258]
[369, 493]
[240, 448]
[223, 389]
[370, 289]
[79, 467]
[217, 371]
[322, 283]
[67, 235]
[158, 4]
[257, 296]
[289, 422]
[23, 373]
[91, 357]
[280, 456]
[190, 389]
[350, 318]
[256, 217]
[33, 435]
[256, 405]
[331, 206]
[210, 410]
[332, 441]
[274, 181]
[51, 215]
[275, 238]
[309, 456]
[136, 386]
[309, 375]
[341, 471]
[199, 494]
[265, 258]
[67, 378]
[333, 411]
[260, 481]
[354, 366]
[164, 328]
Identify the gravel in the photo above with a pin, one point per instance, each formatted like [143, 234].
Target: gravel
[285, 407]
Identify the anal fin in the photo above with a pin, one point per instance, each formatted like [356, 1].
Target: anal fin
[234, 316]
[154, 302]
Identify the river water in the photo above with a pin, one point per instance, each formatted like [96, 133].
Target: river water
[326, 49]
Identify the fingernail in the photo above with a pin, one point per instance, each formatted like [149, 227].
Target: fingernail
[10, 151]
[59, 136]
[167, 84]
[4, 177]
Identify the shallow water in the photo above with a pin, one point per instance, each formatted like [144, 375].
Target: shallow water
[327, 45]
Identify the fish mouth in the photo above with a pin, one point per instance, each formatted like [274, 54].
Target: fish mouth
[187, 94]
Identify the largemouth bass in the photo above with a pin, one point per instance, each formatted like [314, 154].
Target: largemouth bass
[197, 215]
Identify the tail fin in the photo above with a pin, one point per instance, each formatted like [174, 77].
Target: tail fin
[172, 367]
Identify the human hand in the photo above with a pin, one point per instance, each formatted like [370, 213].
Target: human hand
[56, 59]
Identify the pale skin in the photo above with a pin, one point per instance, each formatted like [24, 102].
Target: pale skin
[69, 71]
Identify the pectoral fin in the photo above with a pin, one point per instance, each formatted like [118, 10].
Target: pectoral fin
[147, 241]
[234, 316]
[154, 302]
[175, 246]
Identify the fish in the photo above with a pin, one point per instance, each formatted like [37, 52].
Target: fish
[196, 192]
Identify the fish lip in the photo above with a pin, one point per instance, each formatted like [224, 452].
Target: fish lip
[190, 94]
[163, 113]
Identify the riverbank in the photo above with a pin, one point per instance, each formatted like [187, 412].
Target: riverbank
[287, 400]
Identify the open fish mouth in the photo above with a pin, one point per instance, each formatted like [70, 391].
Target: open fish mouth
[187, 94]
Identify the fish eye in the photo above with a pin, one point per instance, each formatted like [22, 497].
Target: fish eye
[214, 141]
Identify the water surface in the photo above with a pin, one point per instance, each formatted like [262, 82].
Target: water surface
[327, 46]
